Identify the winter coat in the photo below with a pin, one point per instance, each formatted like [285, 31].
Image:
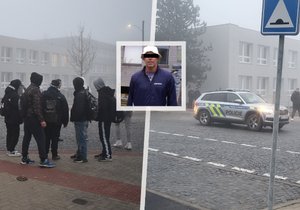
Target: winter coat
[79, 110]
[296, 98]
[62, 109]
[12, 97]
[106, 104]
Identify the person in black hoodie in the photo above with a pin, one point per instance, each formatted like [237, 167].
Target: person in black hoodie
[34, 122]
[105, 110]
[79, 116]
[12, 117]
[56, 113]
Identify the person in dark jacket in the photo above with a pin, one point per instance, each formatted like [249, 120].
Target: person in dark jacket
[295, 98]
[34, 122]
[12, 116]
[152, 86]
[79, 116]
[54, 117]
[105, 110]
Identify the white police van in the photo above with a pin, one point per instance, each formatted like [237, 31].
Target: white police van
[237, 106]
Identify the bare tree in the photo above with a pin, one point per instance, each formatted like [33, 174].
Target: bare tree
[82, 53]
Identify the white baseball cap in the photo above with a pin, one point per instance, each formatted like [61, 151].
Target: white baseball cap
[152, 49]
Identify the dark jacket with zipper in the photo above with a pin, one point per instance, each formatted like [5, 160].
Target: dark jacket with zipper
[106, 104]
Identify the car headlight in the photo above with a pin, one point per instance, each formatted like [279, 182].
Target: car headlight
[266, 110]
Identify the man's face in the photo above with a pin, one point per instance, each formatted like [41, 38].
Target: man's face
[151, 60]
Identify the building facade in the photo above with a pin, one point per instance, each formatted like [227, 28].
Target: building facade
[20, 57]
[244, 59]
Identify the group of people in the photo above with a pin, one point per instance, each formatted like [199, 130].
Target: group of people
[44, 113]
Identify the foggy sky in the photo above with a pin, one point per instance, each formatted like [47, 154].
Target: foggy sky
[105, 20]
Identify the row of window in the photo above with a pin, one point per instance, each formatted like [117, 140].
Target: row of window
[262, 84]
[264, 55]
[34, 57]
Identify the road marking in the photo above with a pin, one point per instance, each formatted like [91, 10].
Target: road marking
[192, 158]
[267, 148]
[248, 145]
[292, 152]
[276, 176]
[161, 132]
[152, 131]
[171, 153]
[216, 164]
[228, 142]
[298, 182]
[153, 150]
[176, 134]
[208, 139]
[194, 137]
[243, 170]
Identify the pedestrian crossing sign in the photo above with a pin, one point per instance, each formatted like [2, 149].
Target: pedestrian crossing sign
[280, 17]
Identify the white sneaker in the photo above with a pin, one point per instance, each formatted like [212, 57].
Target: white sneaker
[128, 146]
[14, 154]
[292, 119]
[118, 143]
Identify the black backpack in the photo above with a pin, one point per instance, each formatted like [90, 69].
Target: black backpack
[50, 110]
[92, 106]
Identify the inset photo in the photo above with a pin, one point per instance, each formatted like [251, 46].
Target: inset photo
[151, 76]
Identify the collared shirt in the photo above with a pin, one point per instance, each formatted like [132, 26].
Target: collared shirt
[160, 91]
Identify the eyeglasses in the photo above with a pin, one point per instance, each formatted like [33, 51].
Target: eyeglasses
[150, 56]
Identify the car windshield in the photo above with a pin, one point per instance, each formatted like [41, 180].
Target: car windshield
[251, 98]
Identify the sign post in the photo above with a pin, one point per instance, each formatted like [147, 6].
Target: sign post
[279, 17]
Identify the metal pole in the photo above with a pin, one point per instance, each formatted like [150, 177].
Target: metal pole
[276, 122]
[143, 30]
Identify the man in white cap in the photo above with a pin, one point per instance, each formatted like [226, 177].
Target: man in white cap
[152, 86]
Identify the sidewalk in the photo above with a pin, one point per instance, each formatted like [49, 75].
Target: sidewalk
[92, 185]
[291, 205]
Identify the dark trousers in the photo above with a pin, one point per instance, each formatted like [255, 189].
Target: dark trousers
[52, 131]
[104, 128]
[33, 128]
[12, 136]
[296, 108]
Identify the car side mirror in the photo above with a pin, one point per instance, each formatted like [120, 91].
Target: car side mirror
[238, 101]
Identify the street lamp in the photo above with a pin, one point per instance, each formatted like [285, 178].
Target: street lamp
[142, 29]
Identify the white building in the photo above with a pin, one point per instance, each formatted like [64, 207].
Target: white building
[244, 59]
[20, 57]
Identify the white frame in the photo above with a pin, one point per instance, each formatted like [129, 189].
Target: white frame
[182, 107]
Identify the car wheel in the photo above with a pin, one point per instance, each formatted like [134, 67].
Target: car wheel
[204, 117]
[254, 122]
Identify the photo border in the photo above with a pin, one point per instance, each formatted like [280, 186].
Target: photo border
[182, 107]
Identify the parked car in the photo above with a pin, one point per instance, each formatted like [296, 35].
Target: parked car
[237, 106]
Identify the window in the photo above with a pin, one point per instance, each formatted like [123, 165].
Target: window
[6, 77]
[215, 97]
[231, 97]
[262, 86]
[262, 55]
[131, 54]
[20, 55]
[292, 85]
[33, 57]
[6, 54]
[275, 56]
[21, 76]
[164, 52]
[245, 82]
[245, 52]
[64, 60]
[55, 59]
[65, 81]
[44, 58]
[292, 59]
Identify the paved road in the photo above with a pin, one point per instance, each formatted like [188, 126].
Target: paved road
[220, 167]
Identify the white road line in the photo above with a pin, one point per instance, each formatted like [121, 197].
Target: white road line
[153, 150]
[276, 177]
[216, 164]
[208, 139]
[161, 132]
[248, 145]
[171, 153]
[192, 158]
[228, 142]
[194, 137]
[243, 170]
[292, 152]
[176, 134]
[298, 182]
[267, 148]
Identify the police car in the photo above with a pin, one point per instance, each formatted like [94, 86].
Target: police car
[237, 106]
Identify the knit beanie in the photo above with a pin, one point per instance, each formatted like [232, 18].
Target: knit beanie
[99, 83]
[56, 83]
[16, 83]
[36, 78]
